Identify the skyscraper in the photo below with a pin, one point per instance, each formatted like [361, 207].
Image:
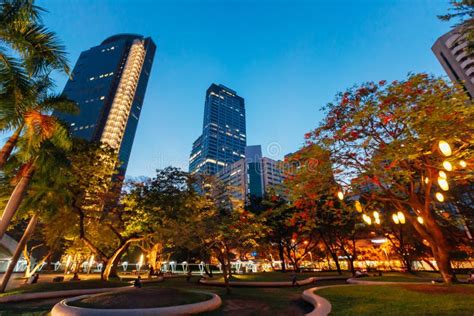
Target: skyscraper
[223, 138]
[108, 84]
[450, 49]
[254, 175]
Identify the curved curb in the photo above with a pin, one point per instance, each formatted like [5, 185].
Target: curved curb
[55, 294]
[306, 281]
[62, 309]
[322, 306]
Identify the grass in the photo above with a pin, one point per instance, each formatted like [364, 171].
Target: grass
[407, 299]
[407, 277]
[274, 276]
[141, 298]
[64, 286]
[242, 301]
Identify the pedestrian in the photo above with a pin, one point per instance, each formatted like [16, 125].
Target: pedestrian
[138, 282]
[151, 272]
[294, 280]
[188, 276]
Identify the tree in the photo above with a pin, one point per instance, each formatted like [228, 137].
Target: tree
[384, 142]
[98, 218]
[25, 78]
[43, 139]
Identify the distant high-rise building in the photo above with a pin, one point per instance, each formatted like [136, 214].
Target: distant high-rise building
[223, 138]
[450, 49]
[108, 84]
[253, 176]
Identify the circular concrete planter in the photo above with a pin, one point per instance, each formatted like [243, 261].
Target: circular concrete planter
[269, 283]
[63, 309]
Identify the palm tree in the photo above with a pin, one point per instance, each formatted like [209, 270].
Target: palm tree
[44, 135]
[45, 200]
[40, 52]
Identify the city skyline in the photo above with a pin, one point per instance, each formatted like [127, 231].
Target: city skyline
[300, 64]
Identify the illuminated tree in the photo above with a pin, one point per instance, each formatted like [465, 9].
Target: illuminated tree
[388, 144]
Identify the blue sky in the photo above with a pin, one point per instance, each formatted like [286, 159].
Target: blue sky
[286, 58]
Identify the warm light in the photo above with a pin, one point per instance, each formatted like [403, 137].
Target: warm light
[377, 221]
[376, 214]
[401, 217]
[367, 219]
[293, 241]
[340, 195]
[379, 240]
[305, 242]
[427, 180]
[91, 261]
[444, 148]
[447, 165]
[140, 262]
[358, 206]
[68, 261]
[462, 163]
[443, 184]
[442, 174]
[420, 220]
[439, 196]
[395, 219]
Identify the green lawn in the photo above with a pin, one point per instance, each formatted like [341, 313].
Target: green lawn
[276, 276]
[64, 286]
[408, 277]
[401, 299]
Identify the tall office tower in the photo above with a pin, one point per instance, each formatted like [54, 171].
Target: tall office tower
[450, 49]
[108, 83]
[223, 136]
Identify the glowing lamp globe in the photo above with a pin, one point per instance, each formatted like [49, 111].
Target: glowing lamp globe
[395, 219]
[420, 220]
[445, 148]
[442, 174]
[439, 196]
[340, 195]
[401, 217]
[447, 165]
[463, 164]
[358, 206]
[443, 184]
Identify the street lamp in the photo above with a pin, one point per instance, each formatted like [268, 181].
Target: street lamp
[445, 148]
[399, 219]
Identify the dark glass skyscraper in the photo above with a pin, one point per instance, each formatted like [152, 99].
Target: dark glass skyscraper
[108, 83]
[223, 138]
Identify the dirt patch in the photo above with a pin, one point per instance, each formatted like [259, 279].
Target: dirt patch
[140, 298]
[439, 289]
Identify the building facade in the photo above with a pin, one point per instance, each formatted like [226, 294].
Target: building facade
[223, 137]
[451, 52]
[108, 83]
[253, 176]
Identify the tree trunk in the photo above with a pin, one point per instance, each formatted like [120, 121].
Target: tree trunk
[225, 273]
[7, 148]
[16, 198]
[16, 255]
[110, 269]
[281, 253]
